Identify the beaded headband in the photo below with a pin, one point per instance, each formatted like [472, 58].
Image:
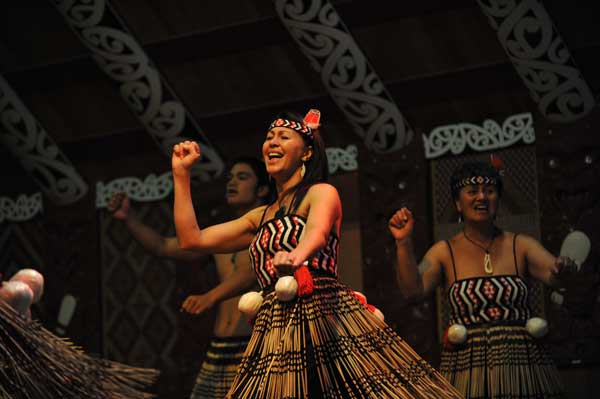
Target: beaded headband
[475, 180]
[305, 128]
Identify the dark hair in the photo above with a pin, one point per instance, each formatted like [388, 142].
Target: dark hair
[474, 168]
[260, 171]
[317, 169]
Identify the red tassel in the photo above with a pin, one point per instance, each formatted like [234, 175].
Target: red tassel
[371, 308]
[305, 281]
[360, 298]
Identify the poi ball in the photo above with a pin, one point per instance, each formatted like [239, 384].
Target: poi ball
[17, 294]
[250, 303]
[379, 314]
[577, 246]
[537, 327]
[34, 279]
[286, 288]
[457, 334]
[557, 298]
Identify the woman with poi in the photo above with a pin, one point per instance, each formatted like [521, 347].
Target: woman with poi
[324, 343]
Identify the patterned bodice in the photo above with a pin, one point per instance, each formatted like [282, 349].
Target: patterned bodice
[489, 299]
[283, 234]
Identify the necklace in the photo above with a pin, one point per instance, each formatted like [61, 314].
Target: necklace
[487, 259]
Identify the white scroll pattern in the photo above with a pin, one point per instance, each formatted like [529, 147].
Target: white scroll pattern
[141, 85]
[22, 209]
[342, 159]
[23, 135]
[152, 188]
[346, 73]
[155, 188]
[490, 136]
[541, 58]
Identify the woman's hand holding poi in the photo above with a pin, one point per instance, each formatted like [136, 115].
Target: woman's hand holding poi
[284, 263]
[564, 265]
[185, 154]
[401, 225]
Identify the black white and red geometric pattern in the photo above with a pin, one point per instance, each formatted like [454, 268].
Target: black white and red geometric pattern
[283, 234]
[299, 127]
[489, 299]
[475, 180]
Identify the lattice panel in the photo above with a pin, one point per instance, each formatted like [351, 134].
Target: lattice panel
[388, 182]
[139, 317]
[518, 210]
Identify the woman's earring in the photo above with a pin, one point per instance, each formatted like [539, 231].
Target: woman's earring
[302, 170]
[460, 219]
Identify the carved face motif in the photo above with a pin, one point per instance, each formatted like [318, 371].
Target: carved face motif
[571, 171]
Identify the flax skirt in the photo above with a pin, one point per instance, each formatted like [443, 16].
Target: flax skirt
[329, 345]
[219, 368]
[36, 364]
[501, 362]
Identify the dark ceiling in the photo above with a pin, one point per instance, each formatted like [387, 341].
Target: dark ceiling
[234, 65]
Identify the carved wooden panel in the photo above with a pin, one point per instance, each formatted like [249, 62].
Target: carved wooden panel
[569, 173]
[141, 298]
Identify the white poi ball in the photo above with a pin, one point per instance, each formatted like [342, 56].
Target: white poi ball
[34, 279]
[379, 314]
[17, 294]
[457, 334]
[537, 327]
[250, 303]
[576, 246]
[557, 298]
[286, 288]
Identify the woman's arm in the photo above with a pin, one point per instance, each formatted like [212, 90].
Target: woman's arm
[222, 238]
[324, 213]
[415, 282]
[541, 264]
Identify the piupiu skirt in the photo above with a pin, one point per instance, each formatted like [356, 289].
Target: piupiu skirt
[36, 364]
[219, 367]
[329, 345]
[501, 362]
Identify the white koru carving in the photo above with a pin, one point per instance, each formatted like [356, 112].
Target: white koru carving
[38, 153]
[344, 159]
[152, 188]
[22, 209]
[346, 73]
[541, 58]
[490, 136]
[122, 58]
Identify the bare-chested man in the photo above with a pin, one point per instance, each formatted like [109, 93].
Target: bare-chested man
[247, 188]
